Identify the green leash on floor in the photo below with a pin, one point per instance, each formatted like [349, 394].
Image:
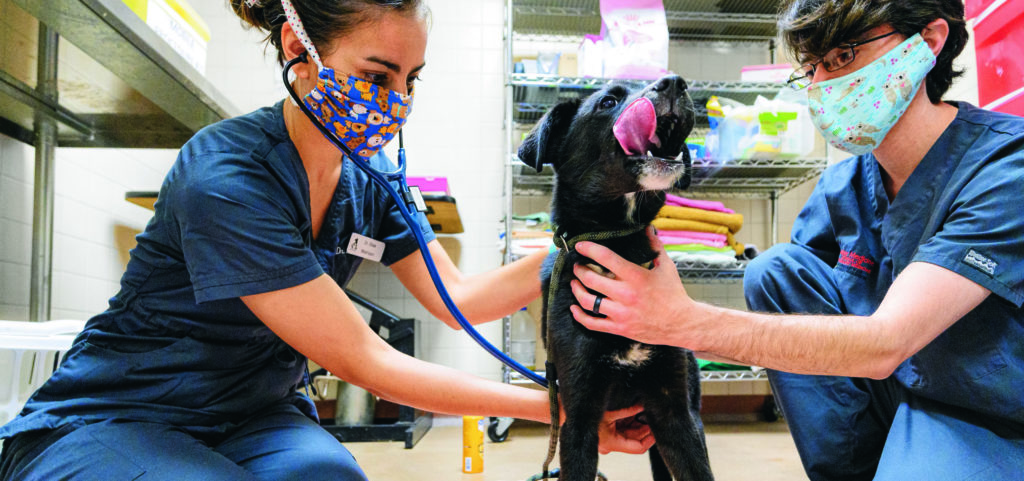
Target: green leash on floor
[567, 246]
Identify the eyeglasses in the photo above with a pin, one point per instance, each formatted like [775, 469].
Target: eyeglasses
[835, 59]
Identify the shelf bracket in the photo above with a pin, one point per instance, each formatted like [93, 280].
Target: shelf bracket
[39, 102]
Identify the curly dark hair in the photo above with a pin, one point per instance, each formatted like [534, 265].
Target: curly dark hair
[324, 20]
[810, 28]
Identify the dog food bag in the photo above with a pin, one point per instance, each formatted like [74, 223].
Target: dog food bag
[635, 33]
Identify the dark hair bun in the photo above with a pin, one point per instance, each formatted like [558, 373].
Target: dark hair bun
[324, 20]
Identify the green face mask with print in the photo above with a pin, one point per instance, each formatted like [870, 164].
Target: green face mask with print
[855, 112]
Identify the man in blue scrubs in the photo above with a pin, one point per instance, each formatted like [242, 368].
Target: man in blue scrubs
[896, 346]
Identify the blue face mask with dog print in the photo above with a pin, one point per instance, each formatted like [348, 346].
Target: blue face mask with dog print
[362, 115]
[855, 112]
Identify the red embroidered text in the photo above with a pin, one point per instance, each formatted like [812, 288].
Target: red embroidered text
[856, 261]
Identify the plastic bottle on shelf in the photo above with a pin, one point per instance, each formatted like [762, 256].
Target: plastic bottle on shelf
[523, 339]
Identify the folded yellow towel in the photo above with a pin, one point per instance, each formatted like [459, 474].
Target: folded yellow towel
[736, 246]
[664, 223]
[732, 221]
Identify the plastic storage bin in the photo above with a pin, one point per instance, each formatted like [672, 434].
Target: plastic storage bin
[29, 352]
[778, 72]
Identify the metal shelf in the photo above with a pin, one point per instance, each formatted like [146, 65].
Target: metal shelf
[119, 84]
[758, 178]
[695, 272]
[705, 376]
[733, 20]
[533, 94]
[541, 80]
[528, 113]
[703, 273]
[718, 376]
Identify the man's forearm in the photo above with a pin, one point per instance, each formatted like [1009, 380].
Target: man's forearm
[806, 344]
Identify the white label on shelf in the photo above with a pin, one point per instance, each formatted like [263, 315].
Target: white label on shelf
[171, 27]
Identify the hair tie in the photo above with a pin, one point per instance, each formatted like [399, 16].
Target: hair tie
[253, 3]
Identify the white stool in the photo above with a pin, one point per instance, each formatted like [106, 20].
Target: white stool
[28, 351]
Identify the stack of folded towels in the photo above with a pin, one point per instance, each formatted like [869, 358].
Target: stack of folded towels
[699, 230]
[530, 233]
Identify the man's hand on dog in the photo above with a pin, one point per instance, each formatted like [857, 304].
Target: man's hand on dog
[621, 431]
[644, 305]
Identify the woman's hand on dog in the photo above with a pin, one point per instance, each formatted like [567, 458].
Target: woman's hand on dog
[620, 431]
[645, 305]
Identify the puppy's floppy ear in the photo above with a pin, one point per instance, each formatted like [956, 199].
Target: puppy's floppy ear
[544, 141]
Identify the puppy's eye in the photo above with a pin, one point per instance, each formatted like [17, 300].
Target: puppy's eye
[608, 102]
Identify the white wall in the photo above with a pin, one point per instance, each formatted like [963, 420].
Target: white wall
[94, 227]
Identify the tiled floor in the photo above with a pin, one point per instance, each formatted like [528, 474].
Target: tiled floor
[738, 451]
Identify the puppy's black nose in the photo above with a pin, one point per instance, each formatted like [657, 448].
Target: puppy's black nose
[670, 84]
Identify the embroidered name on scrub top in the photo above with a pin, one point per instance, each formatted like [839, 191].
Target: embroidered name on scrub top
[980, 262]
[856, 261]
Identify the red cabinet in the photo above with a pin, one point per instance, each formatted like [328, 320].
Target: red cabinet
[999, 45]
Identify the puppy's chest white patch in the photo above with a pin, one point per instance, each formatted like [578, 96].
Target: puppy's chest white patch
[636, 355]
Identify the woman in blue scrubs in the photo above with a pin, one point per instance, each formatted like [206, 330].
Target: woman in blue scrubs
[892, 322]
[196, 370]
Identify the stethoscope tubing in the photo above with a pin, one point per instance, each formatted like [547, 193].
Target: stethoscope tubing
[384, 179]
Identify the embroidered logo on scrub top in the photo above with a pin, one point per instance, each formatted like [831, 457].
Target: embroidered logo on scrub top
[856, 261]
[980, 262]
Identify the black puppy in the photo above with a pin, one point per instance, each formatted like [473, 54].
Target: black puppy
[614, 154]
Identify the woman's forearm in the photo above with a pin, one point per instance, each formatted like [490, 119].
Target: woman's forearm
[319, 321]
[482, 297]
[439, 389]
[497, 293]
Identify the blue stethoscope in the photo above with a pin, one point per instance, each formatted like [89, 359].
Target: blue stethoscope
[404, 197]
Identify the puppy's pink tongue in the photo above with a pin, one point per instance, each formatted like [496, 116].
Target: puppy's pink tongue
[635, 127]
